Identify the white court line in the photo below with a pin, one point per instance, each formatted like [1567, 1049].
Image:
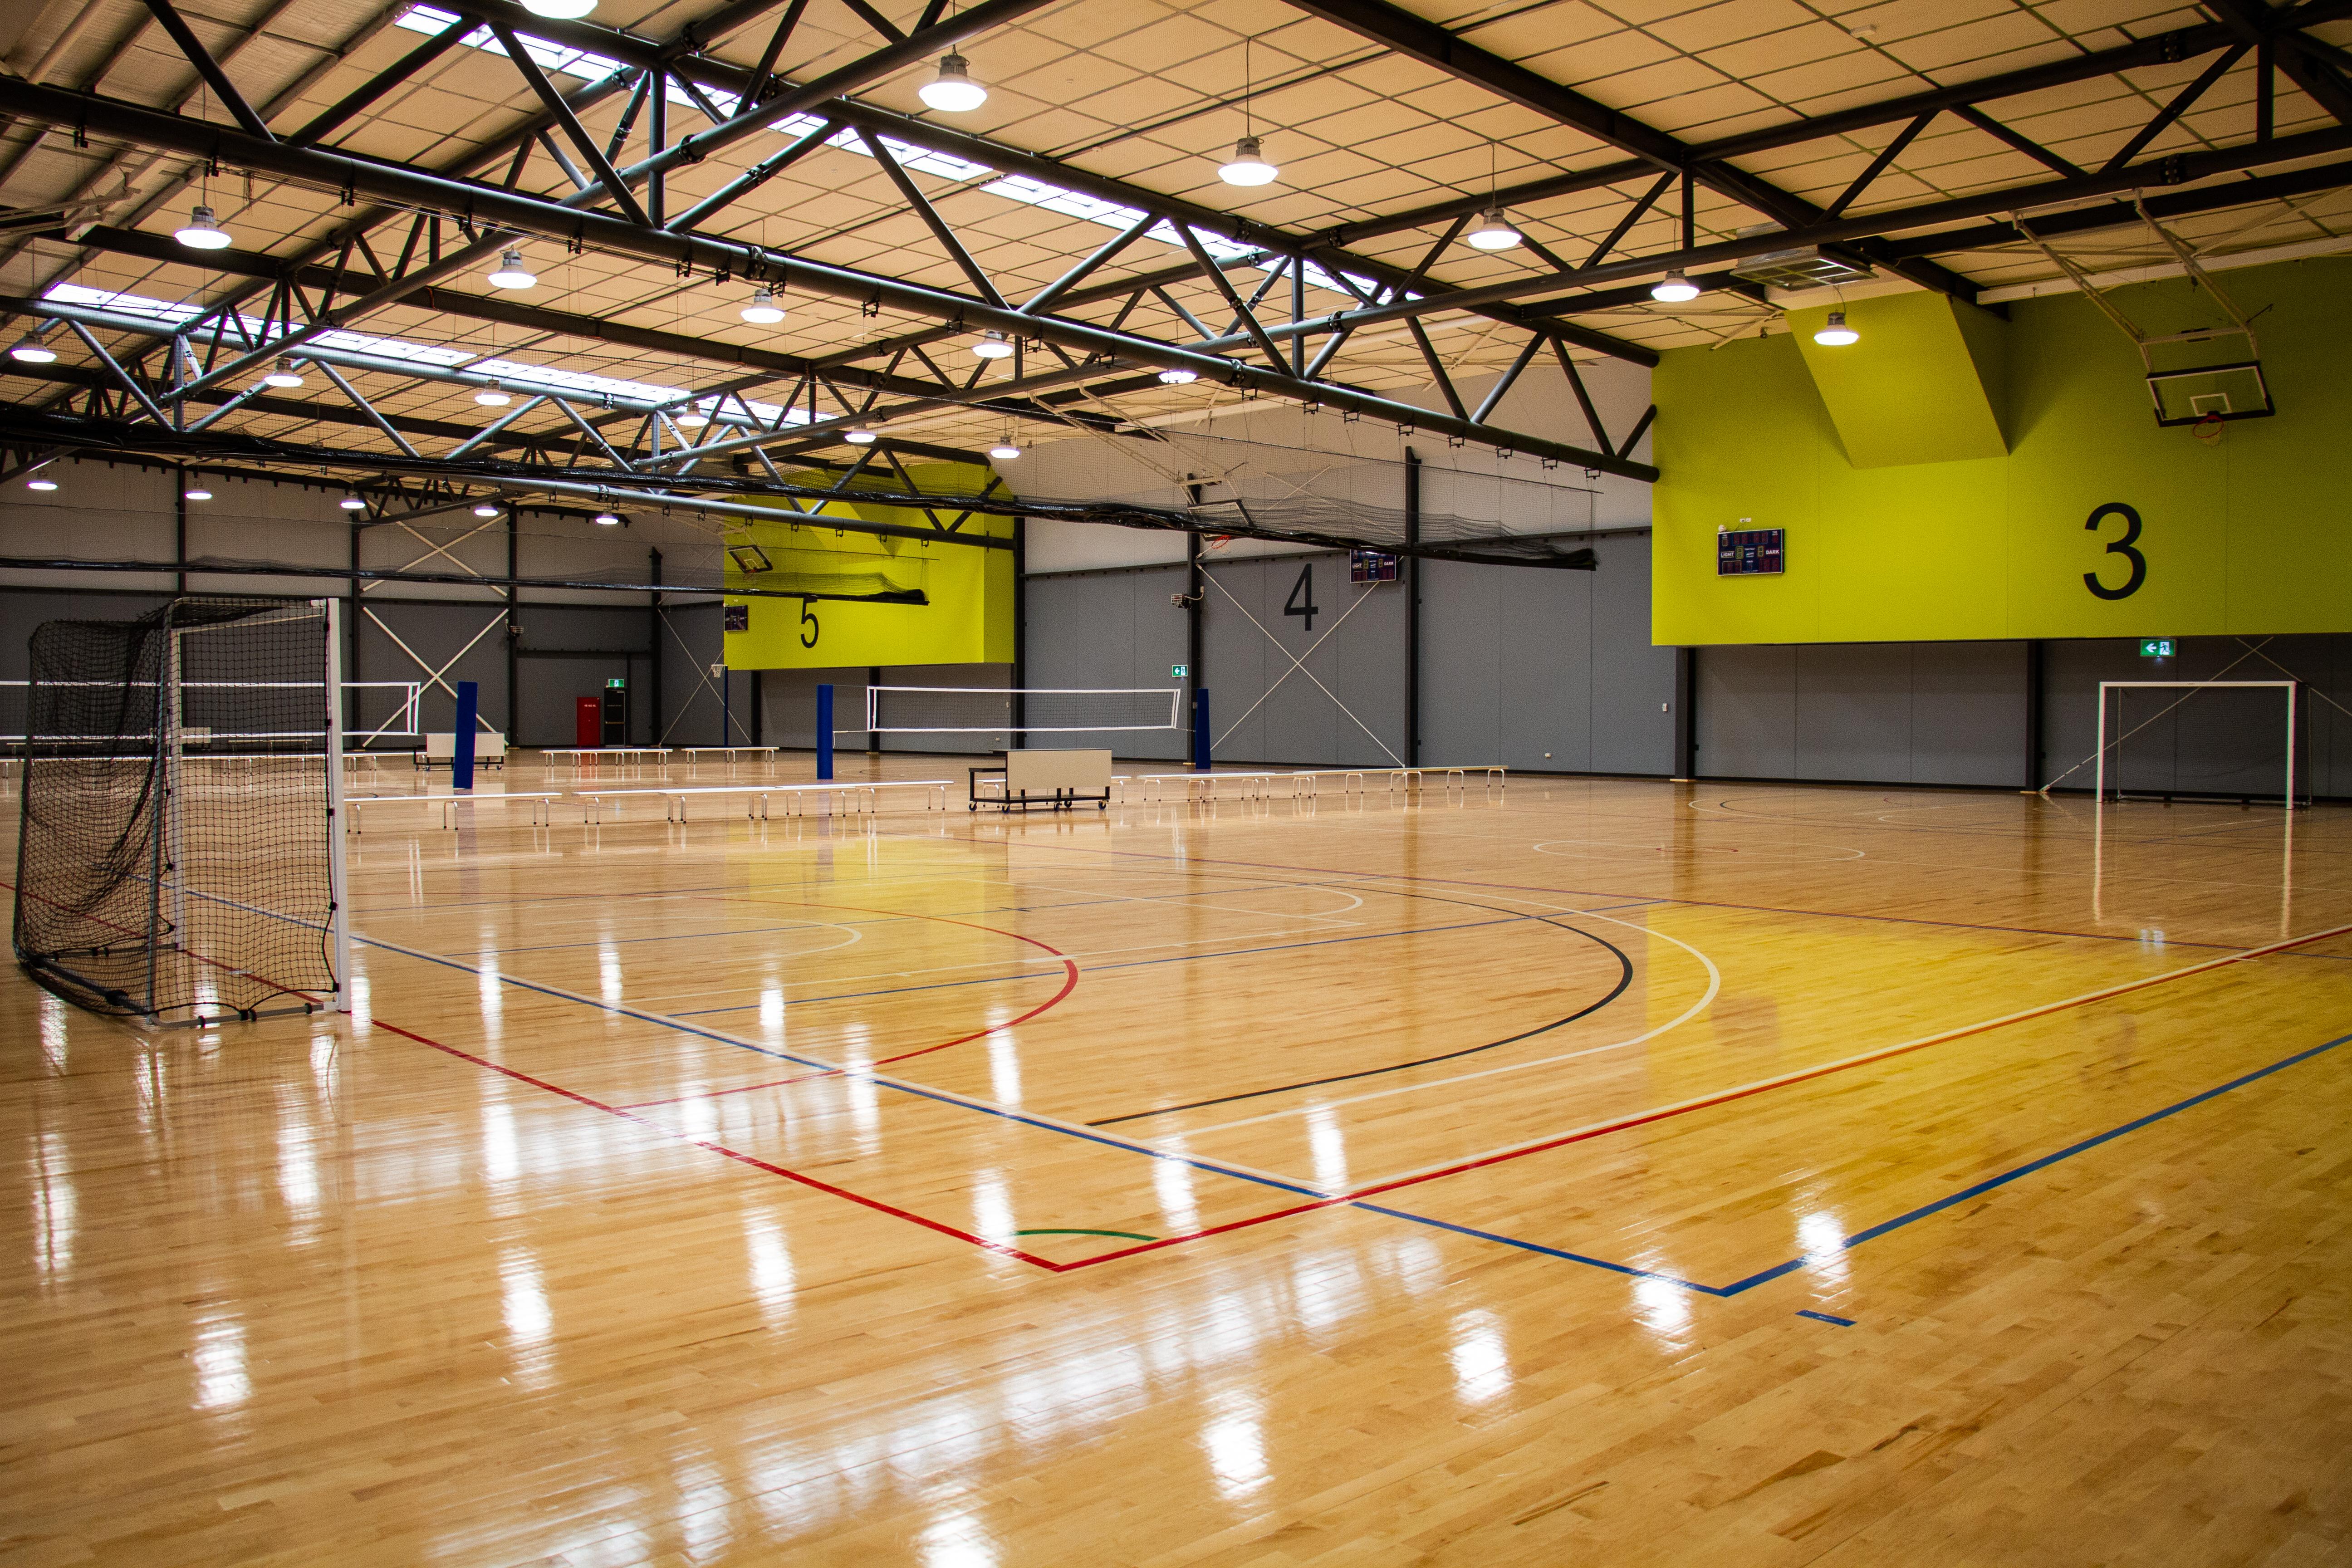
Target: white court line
[1714, 985]
[1799, 1074]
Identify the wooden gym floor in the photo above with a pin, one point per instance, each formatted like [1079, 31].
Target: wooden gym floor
[1607, 1172]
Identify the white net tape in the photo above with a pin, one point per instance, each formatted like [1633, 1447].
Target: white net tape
[989, 711]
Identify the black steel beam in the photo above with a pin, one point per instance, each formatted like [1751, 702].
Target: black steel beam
[608, 232]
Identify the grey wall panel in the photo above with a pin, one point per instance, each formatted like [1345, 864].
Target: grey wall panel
[436, 633]
[690, 644]
[1104, 629]
[1968, 715]
[1360, 664]
[1544, 676]
[1747, 720]
[1462, 633]
[1853, 711]
[1633, 682]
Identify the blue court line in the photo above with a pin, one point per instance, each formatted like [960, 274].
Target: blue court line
[919, 1091]
[1767, 1276]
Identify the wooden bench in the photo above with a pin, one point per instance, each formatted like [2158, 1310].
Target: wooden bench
[541, 805]
[629, 758]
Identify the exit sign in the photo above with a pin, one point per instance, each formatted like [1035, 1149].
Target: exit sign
[615, 682]
[1179, 671]
[2155, 648]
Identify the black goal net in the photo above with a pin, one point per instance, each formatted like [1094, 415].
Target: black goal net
[174, 862]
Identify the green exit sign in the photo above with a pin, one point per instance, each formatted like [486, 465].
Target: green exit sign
[616, 683]
[1179, 671]
[2155, 648]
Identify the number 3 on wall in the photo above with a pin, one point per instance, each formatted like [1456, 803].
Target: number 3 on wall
[2122, 547]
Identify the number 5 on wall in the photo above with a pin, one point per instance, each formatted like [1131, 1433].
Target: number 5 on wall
[2122, 547]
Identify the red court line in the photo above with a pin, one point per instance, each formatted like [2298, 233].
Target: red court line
[1784, 1080]
[1069, 984]
[625, 1114]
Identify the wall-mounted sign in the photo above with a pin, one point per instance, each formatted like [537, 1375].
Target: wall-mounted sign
[2155, 648]
[1180, 671]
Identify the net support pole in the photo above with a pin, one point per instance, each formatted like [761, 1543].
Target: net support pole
[825, 730]
[461, 752]
[339, 902]
[1200, 746]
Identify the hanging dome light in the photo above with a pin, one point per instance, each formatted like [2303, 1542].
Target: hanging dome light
[1248, 166]
[486, 509]
[607, 520]
[512, 274]
[283, 373]
[200, 233]
[993, 346]
[40, 482]
[351, 502]
[860, 437]
[1493, 231]
[493, 395]
[1005, 450]
[1180, 376]
[196, 492]
[1835, 334]
[763, 308]
[692, 419]
[954, 92]
[31, 350]
[1673, 289]
[560, 10]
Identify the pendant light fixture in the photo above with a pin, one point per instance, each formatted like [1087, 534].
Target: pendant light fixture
[1180, 376]
[560, 10]
[952, 91]
[1835, 334]
[1673, 289]
[512, 274]
[1494, 230]
[486, 509]
[351, 502]
[763, 308]
[195, 492]
[992, 345]
[1005, 450]
[691, 418]
[40, 482]
[1247, 167]
[492, 395]
[30, 350]
[201, 232]
[283, 373]
[607, 520]
[859, 438]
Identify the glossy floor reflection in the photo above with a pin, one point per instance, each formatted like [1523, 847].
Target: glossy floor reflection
[1602, 1171]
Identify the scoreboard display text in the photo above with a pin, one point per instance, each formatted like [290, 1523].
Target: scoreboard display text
[1747, 552]
[1371, 566]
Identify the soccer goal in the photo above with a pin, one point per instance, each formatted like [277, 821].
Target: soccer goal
[1002, 712]
[2167, 738]
[181, 858]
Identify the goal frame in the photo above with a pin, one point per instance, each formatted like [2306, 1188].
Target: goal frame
[1175, 695]
[2099, 783]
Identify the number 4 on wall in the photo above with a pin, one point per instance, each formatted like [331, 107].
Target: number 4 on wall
[1302, 596]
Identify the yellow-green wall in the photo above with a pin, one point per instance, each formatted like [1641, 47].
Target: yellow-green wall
[2249, 535]
[969, 618]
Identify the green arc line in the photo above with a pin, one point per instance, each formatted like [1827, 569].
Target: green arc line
[1122, 1235]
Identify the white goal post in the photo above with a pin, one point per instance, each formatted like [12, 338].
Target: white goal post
[2191, 688]
[1045, 710]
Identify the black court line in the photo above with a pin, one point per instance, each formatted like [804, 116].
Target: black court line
[1624, 979]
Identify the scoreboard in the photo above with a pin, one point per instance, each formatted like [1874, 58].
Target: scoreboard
[1371, 566]
[1747, 552]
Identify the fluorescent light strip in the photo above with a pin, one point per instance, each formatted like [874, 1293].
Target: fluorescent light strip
[515, 374]
[552, 57]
